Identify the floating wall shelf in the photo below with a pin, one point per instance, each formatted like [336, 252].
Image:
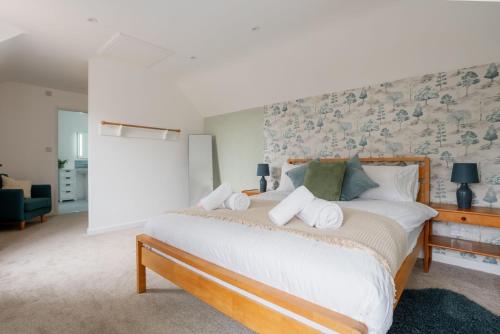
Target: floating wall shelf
[117, 129]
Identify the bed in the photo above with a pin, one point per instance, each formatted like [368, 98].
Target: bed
[277, 282]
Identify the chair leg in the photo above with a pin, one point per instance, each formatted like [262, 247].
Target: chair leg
[22, 225]
[43, 219]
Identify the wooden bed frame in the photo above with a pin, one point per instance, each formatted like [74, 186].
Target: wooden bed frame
[254, 314]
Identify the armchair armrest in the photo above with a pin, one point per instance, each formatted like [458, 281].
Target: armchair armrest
[41, 190]
[11, 204]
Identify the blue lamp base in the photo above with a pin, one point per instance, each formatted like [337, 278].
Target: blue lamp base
[263, 184]
[464, 196]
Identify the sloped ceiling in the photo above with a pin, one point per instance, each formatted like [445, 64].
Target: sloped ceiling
[300, 48]
[395, 41]
[59, 39]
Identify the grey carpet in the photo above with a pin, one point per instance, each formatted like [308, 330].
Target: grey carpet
[56, 279]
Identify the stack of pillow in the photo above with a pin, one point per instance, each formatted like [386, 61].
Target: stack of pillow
[348, 180]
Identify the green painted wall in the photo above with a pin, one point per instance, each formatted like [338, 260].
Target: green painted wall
[238, 147]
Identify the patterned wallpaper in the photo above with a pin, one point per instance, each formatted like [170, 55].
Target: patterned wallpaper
[448, 116]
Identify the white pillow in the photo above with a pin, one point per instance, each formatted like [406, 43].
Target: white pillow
[10, 183]
[396, 183]
[285, 181]
[409, 215]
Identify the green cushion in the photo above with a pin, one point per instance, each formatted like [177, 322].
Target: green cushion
[298, 174]
[356, 181]
[31, 204]
[324, 180]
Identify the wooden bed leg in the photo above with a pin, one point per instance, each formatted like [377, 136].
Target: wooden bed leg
[22, 225]
[427, 248]
[141, 270]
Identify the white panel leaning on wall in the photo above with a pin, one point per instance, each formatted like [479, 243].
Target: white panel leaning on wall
[201, 181]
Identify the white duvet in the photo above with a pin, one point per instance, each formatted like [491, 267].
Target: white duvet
[348, 281]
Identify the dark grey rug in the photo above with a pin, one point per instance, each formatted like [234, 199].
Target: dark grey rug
[441, 311]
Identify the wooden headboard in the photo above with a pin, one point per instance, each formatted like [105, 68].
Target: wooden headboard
[424, 170]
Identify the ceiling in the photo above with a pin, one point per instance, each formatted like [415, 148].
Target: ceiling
[58, 38]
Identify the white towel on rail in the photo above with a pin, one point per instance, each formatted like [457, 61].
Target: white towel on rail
[237, 202]
[217, 197]
[320, 213]
[290, 206]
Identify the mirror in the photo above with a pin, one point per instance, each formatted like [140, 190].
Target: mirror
[81, 145]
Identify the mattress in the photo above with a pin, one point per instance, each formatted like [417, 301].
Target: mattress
[348, 281]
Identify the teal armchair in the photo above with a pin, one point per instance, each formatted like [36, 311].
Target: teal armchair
[14, 208]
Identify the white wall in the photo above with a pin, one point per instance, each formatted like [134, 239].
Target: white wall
[131, 179]
[70, 123]
[28, 129]
[239, 147]
[399, 40]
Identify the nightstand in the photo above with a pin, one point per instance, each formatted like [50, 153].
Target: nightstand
[251, 192]
[480, 216]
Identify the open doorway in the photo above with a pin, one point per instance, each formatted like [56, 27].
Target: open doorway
[72, 161]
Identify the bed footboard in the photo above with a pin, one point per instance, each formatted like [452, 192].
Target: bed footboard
[251, 313]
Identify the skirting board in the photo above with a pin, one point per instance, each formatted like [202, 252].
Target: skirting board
[119, 227]
[464, 263]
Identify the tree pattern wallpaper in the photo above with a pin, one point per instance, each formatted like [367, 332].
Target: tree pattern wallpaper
[447, 116]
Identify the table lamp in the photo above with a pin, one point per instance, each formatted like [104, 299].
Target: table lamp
[263, 170]
[464, 173]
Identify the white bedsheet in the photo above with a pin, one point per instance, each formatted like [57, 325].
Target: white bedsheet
[348, 281]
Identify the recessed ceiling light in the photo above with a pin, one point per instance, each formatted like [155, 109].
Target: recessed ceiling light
[193, 57]
[255, 28]
[92, 20]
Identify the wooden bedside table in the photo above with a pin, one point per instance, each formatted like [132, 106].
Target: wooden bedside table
[251, 192]
[480, 216]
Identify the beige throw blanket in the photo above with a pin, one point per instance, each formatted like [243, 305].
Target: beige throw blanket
[382, 237]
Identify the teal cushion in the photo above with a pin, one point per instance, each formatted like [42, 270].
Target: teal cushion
[31, 204]
[298, 174]
[324, 180]
[356, 181]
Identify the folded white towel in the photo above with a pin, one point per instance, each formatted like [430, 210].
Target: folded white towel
[237, 202]
[217, 197]
[322, 214]
[290, 206]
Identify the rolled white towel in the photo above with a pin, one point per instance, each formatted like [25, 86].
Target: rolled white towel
[322, 214]
[290, 206]
[237, 202]
[217, 197]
